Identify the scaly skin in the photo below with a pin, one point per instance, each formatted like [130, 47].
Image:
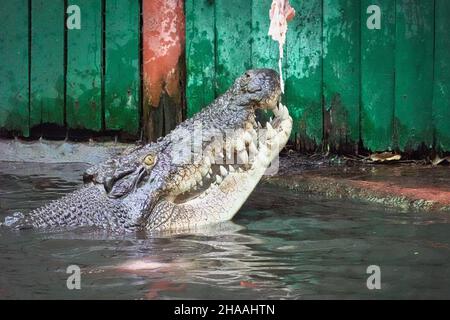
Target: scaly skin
[200, 173]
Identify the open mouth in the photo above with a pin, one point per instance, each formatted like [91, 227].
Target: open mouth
[231, 166]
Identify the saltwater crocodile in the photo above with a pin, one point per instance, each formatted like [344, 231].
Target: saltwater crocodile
[200, 173]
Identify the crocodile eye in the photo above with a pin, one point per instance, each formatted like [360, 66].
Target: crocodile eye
[149, 160]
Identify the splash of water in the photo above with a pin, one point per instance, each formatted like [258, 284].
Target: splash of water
[280, 13]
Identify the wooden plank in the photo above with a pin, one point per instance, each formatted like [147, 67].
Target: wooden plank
[341, 73]
[441, 103]
[14, 55]
[163, 44]
[264, 49]
[200, 52]
[84, 68]
[47, 62]
[233, 38]
[304, 74]
[378, 77]
[122, 65]
[414, 73]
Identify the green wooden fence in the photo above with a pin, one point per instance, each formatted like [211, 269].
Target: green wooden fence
[345, 82]
[87, 78]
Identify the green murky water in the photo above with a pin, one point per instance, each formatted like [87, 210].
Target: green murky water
[281, 245]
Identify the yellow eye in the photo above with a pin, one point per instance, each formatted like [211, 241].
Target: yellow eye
[149, 160]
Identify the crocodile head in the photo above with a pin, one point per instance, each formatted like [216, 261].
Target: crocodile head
[200, 173]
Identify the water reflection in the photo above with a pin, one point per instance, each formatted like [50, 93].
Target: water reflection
[281, 245]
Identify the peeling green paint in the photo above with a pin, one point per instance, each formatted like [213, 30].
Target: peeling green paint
[233, 37]
[441, 101]
[84, 62]
[122, 71]
[47, 62]
[14, 53]
[414, 73]
[304, 72]
[341, 71]
[378, 77]
[200, 54]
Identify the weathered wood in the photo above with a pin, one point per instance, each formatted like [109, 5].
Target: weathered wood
[122, 65]
[441, 103]
[84, 68]
[414, 74]
[200, 52]
[163, 37]
[264, 49]
[341, 73]
[304, 73]
[233, 38]
[47, 62]
[378, 77]
[14, 55]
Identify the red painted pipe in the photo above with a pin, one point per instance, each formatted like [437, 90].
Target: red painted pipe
[163, 44]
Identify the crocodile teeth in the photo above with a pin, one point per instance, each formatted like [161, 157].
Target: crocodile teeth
[270, 131]
[242, 157]
[223, 171]
[208, 176]
[240, 145]
[231, 169]
[277, 111]
[218, 179]
[210, 171]
[252, 149]
[248, 137]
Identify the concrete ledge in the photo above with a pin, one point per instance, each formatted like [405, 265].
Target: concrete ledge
[57, 151]
[403, 187]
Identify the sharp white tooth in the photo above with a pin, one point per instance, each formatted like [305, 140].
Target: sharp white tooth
[200, 183]
[259, 125]
[218, 179]
[263, 150]
[223, 171]
[286, 125]
[276, 111]
[248, 137]
[285, 112]
[240, 145]
[243, 157]
[208, 176]
[270, 119]
[231, 169]
[270, 131]
[240, 170]
[210, 171]
[252, 149]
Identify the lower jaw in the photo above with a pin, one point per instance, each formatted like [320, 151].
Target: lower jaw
[223, 198]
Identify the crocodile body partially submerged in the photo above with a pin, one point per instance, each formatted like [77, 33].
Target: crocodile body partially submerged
[200, 173]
